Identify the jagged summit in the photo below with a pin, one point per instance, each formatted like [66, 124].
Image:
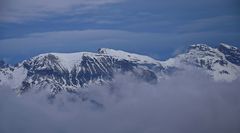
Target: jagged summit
[200, 47]
[221, 63]
[231, 53]
[103, 50]
[128, 56]
[71, 60]
[2, 64]
[67, 60]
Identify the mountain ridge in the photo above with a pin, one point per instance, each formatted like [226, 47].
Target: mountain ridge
[71, 71]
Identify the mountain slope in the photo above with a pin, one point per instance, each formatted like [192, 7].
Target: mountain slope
[59, 71]
[221, 63]
[73, 71]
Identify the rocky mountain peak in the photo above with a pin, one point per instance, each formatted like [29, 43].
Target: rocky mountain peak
[71, 71]
[221, 63]
[3, 64]
[231, 53]
[200, 47]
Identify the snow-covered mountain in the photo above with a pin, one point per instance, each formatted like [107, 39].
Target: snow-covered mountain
[61, 71]
[221, 63]
[72, 71]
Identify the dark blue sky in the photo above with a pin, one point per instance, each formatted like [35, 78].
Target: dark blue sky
[159, 28]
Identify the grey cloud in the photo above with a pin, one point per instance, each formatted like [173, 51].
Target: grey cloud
[25, 10]
[184, 103]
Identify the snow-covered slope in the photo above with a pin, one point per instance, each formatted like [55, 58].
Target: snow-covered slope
[221, 63]
[122, 55]
[74, 71]
[71, 71]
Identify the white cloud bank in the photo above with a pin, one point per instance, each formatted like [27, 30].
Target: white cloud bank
[186, 103]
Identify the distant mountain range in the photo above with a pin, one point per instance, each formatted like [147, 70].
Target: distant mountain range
[73, 71]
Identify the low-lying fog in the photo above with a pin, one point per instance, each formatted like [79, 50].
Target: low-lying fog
[188, 102]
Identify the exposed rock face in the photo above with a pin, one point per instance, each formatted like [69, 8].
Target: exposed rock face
[75, 70]
[72, 71]
[231, 53]
[220, 63]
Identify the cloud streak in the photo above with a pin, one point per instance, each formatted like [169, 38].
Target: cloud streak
[18, 11]
[147, 43]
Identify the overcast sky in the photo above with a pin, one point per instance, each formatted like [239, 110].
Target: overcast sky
[157, 28]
